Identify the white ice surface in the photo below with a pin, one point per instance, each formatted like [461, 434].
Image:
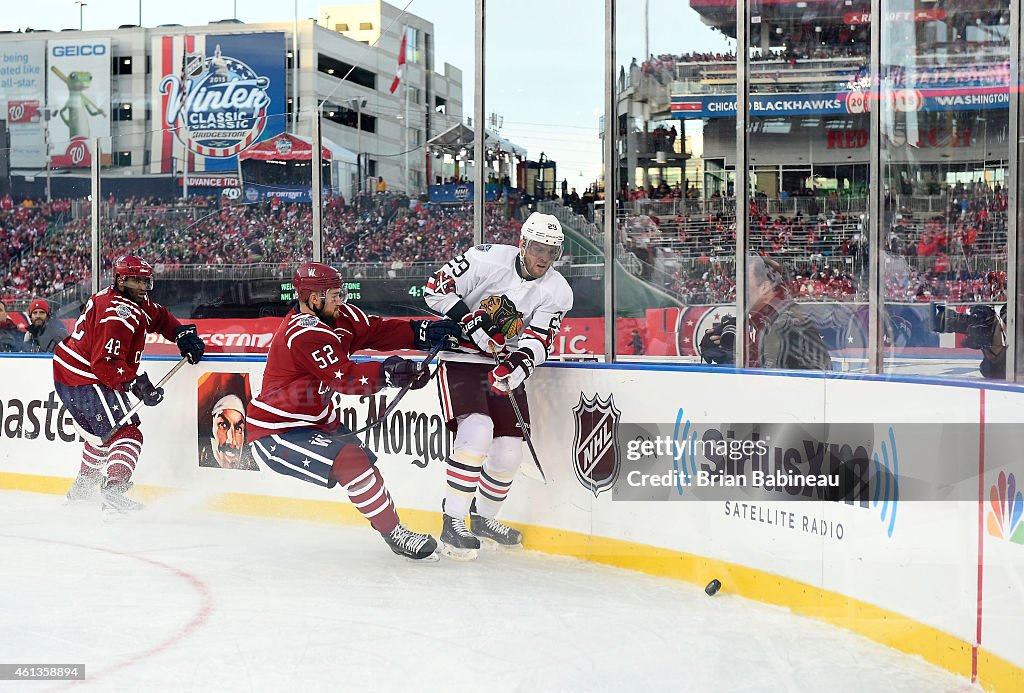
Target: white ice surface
[186, 601]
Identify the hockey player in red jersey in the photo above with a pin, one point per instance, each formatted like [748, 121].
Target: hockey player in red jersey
[98, 363]
[510, 305]
[294, 425]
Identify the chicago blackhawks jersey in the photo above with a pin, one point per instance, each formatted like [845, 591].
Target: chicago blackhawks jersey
[309, 361]
[106, 343]
[528, 311]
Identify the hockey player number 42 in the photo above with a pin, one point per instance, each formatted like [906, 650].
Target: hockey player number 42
[79, 330]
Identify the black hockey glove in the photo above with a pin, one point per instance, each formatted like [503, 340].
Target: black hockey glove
[429, 333]
[189, 343]
[399, 372]
[150, 394]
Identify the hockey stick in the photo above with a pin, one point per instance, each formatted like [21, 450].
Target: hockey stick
[131, 412]
[523, 426]
[401, 393]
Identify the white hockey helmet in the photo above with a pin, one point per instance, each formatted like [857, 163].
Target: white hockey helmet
[542, 228]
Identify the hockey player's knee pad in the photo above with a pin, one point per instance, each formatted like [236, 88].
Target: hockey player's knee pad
[505, 455]
[476, 431]
[352, 464]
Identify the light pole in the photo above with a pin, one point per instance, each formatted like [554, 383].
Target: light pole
[81, 5]
[359, 102]
[541, 161]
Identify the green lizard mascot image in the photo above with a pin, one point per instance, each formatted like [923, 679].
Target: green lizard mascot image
[78, 104]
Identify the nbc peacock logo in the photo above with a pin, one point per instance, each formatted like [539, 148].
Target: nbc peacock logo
[1006, 509]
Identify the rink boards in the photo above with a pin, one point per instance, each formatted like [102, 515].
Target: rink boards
[927, 558]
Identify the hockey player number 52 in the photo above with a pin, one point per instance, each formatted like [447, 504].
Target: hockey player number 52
[325, 356]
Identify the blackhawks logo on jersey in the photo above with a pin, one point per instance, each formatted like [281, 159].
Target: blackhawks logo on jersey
[503, 314]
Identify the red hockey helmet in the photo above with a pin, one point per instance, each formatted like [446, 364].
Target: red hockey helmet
[132, 266]
[314, 277]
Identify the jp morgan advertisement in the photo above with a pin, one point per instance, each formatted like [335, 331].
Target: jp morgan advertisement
[22, 98]
[78, 94]
[217, 94]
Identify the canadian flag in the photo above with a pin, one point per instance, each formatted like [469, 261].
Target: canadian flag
[401, 63]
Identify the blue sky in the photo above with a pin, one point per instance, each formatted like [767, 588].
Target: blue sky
[545, 58]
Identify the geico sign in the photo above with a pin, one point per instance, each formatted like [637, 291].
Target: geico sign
[77, 51]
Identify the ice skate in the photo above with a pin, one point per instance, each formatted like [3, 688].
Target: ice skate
[413, 545]
[85, 489]
[457, 542]
[494, 530]
[115, 502]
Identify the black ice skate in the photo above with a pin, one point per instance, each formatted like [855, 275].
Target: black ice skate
[411, 544]
[457, 541]
[86, 487]
[115, 503]
[498, 532]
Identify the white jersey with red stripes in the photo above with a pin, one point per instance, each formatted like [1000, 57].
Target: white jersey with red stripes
[486, 278]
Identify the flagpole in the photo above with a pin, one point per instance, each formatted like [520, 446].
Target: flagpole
[407, 139]
[399, 73]
[185, 139]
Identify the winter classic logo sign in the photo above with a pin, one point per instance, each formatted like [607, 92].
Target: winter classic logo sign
[595, 447]
[218, 107]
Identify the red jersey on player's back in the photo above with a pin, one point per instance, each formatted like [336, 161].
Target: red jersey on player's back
[309, 361]
[106, 343]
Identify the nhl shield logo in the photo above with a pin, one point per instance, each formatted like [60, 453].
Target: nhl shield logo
[595, 447]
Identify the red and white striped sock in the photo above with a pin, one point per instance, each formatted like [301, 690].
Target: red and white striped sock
[92, 459]
[494, 487]
[365, 487]
[125, 447]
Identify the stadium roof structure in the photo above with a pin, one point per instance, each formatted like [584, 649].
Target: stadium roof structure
[289, 147]
[458, 137]
[831, 13]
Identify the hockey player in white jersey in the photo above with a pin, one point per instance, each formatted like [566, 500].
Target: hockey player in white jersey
[510, 305]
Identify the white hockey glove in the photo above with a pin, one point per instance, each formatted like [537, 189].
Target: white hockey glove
[479, 327]
[511, 372]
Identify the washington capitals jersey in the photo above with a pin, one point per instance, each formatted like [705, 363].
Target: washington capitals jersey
[106, 343]
[309, 361]
[528, 311]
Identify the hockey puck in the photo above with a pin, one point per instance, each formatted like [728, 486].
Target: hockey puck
[712, 588]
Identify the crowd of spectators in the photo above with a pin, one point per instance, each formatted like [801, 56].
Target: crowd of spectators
[944, 256]
[48, 250]
[714, 283]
